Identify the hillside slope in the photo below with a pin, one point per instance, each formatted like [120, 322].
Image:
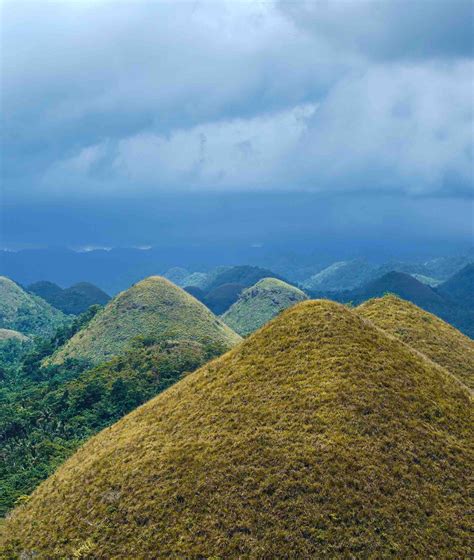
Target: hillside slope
[343, 275]
[27, 313]
[460, 287]
[318, 437]
[260, 303]
[425, 332]
[153, 306]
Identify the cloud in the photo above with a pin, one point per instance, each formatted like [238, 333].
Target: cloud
[389, 29]
[123, 98]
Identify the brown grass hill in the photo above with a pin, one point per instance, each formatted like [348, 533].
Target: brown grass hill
[260, 303]
[424, 332]
[318, 437]
[151, 307]
[25, 312]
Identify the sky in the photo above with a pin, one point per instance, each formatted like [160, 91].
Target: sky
[127, 123]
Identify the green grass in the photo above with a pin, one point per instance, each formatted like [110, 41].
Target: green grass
[425, 332]
[260, 303]
[150, 307]
[25, 312]
[318, 437]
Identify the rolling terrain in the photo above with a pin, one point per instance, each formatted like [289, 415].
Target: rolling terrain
[319, 436]
[73, 300]
[260, 303]
[25, 312]
[151, 307]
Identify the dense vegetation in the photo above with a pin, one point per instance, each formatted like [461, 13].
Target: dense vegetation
[246, 276]
[318, 437]
[260, 303]
[150, 307]
[27, 313]
[73, 300]
[47, 412]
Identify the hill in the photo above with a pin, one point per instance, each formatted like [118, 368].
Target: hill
[409, 288]
[221, 298]
[442, 268]
[244, 275]
[343, 275]
[402, 284]
[260, 303]
[460, 287]
[26, 313]
[318, 437]
[73, 300]
[424, 332]
[47, 413]
[153, 306]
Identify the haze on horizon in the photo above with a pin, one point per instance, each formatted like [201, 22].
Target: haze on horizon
[260, 123]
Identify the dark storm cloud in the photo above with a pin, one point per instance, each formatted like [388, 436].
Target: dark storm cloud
[145, 97]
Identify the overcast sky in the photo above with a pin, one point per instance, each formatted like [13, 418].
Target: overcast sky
[117, 100]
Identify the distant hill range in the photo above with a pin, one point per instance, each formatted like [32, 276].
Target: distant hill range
[319, 436]
[435, 300]
[25, 312]
[73, 300]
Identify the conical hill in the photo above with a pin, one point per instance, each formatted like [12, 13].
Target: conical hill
[151, 307]
[260, 303]
[318, 437]
[425, 332]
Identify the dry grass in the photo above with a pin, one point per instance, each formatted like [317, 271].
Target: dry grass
[425, 332]
[151, 307]
[318, 437]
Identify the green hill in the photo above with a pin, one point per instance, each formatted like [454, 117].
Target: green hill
[25, 312]
[425, 332]
[318, 437]
[221, 298]
[151, 307]
[460, 287]
[344, 275]
[73, 300]
[260, 303]
[245, 275]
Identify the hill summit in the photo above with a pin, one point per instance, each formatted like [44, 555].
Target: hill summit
[26, 313]
[318, 437]
[260, 303]
[150, 307]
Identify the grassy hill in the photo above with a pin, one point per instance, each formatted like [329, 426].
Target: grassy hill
[260, 303]
[460, 287]
[318, 437]
[425, 332]
[221, 298]
[25, 312]
[151, 307]
[73, 300]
